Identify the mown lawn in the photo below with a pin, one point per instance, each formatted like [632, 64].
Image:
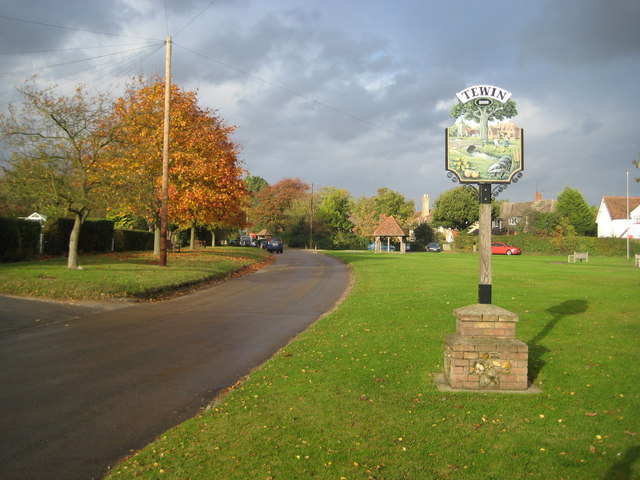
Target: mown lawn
[353, 397]
[126, 275]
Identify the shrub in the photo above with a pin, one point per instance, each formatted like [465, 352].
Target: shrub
[127, 240]
[567, 245]
[95, 236]
[19, 239]
[465, 242]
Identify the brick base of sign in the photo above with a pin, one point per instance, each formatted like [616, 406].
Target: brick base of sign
[484, 354]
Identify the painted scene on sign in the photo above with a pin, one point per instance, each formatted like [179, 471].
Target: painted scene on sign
[484, 145]
[494, 159]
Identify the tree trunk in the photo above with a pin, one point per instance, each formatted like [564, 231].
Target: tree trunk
[156, 241]
[484, 126]
[72, 259]
[213, 237]
[192, 240]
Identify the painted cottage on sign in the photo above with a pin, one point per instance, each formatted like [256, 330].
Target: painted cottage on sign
[612, 217]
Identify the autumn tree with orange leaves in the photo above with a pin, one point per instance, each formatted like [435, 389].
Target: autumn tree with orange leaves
[206, 186]
[274, 203]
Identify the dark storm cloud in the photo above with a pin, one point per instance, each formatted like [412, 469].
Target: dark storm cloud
[583, 32]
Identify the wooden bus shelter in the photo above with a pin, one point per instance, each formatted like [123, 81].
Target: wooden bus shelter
[389, 229]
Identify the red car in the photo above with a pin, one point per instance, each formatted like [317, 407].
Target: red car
[499, 248]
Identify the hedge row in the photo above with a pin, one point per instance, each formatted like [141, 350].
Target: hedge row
[20, 238]
[609, 247]
[95, 236]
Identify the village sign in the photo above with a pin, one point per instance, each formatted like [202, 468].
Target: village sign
[483, 145]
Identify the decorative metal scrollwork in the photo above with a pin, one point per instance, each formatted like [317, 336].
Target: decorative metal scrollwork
[454, 178]
[498, 190]
[502, 187]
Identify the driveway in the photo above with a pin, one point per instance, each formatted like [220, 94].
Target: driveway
[83, 386]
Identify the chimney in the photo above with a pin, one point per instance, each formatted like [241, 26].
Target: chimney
[538, 196]
[425, 205]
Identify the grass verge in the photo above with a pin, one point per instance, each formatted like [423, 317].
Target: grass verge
[126, 275]
[353, 396]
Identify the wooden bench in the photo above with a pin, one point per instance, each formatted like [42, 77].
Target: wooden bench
[578, 256]
[637, 260]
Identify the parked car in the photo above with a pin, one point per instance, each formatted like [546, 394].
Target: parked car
[261, 243]
[433, 247]
[245, 241]
[275, 245]
[500, 248]
[372, 246]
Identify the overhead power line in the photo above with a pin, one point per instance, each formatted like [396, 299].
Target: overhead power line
[63, 27]
[194, 18]
[87, 59]
[58, 50]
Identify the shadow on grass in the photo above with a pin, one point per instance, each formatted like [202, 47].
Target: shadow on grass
[538, 351]
[623, 468]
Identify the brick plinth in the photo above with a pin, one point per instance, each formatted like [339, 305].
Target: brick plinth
[484, 354]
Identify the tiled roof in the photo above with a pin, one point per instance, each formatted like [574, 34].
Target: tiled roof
[617, 206]
[520, 209]
[390, 228]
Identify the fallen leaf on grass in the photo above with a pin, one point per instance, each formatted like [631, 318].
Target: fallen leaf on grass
[590, 414]
[631, 434]
[592, 449]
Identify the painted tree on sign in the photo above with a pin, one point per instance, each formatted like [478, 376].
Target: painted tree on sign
[59, 146]
[486, 114]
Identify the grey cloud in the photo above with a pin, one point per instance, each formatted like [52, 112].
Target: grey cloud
[573, 32]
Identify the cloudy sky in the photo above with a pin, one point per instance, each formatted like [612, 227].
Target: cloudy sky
[356, 94]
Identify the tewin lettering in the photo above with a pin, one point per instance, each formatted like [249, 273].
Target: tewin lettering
[483, 91]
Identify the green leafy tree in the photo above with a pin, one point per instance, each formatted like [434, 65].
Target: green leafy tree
[335, 215]
[364, 216]
[572, 205]
[637, 164]
[59, 145]
[459, 208]
[424, 233]
[484, 115]
[542, 223]
[255, 183]
[335, 209]
[390, 203]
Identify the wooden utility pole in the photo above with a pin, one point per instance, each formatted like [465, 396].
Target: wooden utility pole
[164, 206]
[484, 234]
[311, 220]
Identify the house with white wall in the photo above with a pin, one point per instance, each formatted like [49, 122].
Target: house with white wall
[612, 217]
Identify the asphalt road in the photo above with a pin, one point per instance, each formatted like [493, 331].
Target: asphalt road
[82, 386]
